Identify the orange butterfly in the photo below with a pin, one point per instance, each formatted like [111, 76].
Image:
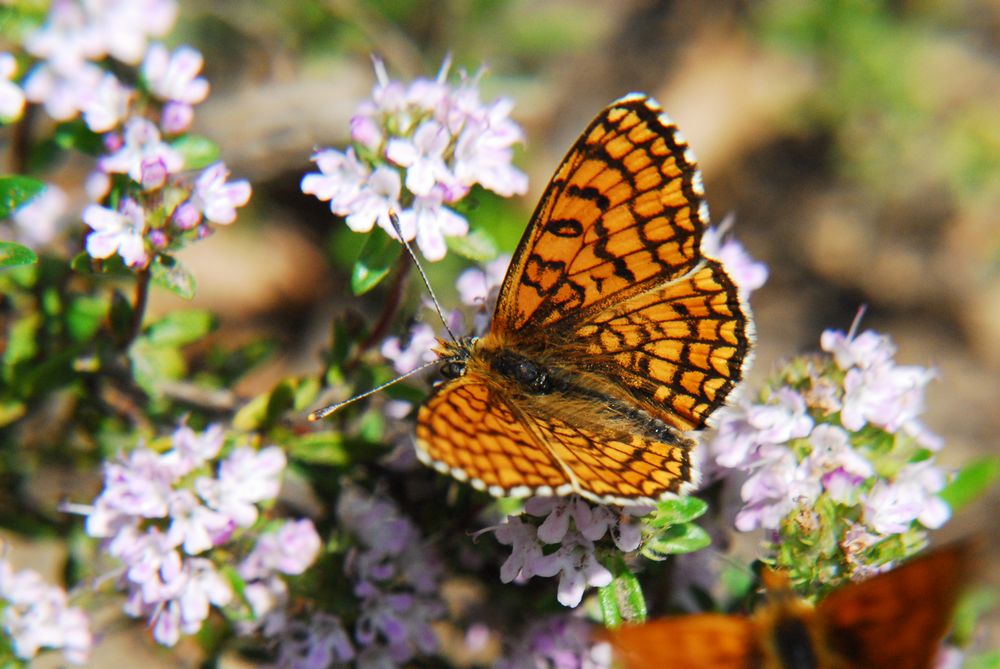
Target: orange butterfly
[894, 620]
[613, 336]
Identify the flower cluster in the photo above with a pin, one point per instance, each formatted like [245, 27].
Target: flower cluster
[838, 462]
[416, 150]
[575, 560]
[162, 514]
[152, 208]
[557, 643]
[36, 615]
[396, 580]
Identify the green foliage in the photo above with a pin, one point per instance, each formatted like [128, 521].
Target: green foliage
[169, 273]
[376, 259]
[198, 151]
[971, 482]
[16, 191]
[478, 245]
[14, 255]
[622, 599]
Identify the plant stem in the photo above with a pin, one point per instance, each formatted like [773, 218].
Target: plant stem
[392, 301]
[142, 280]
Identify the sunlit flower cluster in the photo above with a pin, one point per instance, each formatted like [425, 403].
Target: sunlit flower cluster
[835, 454]
[418, 150]
[396, 580]
[162, 514]
[561, 642]
[576, 527]
[143, 204]
[37, 616]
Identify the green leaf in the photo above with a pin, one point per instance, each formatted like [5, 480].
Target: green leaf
[153, 363]
[974, 479]
[676, 539]
[85, 315]
[11, 411]
[12, 255]
[676, 511]
[169, 273]
[374, 262]
[198, 151]
[478, 245]
[987, 660]
[622, 599]
[179, 328]
[76, 135]
[320, 448]
[251, 415]
[972, 607]
[16, 191]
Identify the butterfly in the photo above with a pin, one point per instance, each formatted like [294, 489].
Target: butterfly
[613, 337]
[895, 619]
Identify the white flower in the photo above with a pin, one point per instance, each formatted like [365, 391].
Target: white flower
[246, 477]
[105, 106]
[423, 156]
[175, 76]
[142, 147]
[216, 198]
[373, 203]
[117, 232]
[432, 222]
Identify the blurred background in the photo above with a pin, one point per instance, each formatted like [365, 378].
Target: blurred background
[856, 143]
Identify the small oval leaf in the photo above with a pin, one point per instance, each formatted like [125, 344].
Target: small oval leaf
[16, 191]
[375, 261]
[13, 255]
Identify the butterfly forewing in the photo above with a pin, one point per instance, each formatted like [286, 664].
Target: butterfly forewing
[624, 206]
[897, 619]
[469, 430]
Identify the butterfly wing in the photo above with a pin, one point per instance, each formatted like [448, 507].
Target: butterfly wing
[898, 618]
[479, 429]
[676, 351]
[703, 641]
[470, 430]
[625, 207]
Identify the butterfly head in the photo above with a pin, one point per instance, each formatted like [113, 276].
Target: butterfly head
[454, 356]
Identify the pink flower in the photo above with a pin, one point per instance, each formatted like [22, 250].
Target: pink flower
[40, 220]
[174, 77]
[142, 147]
[216, 198]
[290, 550]
[106, 105]
[340, 180]
[35, 616]
[433, 222]
[118, 232]
[748, 273]
[478, 287]
[423, 156]
[417, 350]
[373, 203]
[246, 477]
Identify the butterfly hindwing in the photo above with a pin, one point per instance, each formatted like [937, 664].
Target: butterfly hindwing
[678, 350]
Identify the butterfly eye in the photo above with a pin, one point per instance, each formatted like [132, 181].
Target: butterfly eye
[452, 369]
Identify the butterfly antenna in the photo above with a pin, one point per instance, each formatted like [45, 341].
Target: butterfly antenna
[320, 414]
[394, 219]
[857, 321]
